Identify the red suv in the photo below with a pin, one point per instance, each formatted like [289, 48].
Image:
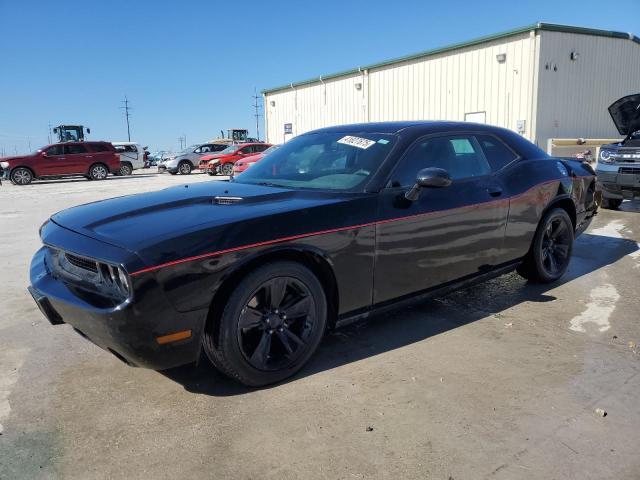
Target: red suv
[93, 160]
[222, 162]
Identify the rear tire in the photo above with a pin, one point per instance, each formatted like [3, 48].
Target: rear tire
[21, 176]
[184, 168]
[611, 203]
[98, 171]
[550, 252]
[125, 169]
[271, 325]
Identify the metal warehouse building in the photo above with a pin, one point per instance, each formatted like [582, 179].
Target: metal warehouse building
[543, 81]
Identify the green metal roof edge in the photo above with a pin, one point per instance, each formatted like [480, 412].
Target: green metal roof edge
[551, 27]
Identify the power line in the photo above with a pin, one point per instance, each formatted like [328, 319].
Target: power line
[126, 109]
[256, 106]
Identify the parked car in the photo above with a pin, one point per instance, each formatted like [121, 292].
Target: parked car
[132, 156]
[187, 160]
[334, 225]
[93, 160]
[223, 162]
[157, 157]
[618, 166]
[241, 165]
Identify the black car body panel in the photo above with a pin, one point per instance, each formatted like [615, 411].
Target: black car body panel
[180, 246]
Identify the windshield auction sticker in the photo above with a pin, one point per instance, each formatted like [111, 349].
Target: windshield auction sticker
[358, 142]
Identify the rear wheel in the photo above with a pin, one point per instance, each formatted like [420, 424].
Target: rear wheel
[21, 176]
[125, 169]
[227, 169]
[271, 325]
[184, 168]
[98, 172]
[550, 253]
[611, 203]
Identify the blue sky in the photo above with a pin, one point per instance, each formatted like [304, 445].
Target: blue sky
[190, 67]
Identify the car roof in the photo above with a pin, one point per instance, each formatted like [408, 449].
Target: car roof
[125, 143]
[398, 126]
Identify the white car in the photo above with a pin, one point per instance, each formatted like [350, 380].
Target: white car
[131, 156]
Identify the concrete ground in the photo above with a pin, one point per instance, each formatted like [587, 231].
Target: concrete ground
[498, 381]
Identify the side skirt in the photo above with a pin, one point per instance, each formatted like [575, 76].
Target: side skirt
[439, 291]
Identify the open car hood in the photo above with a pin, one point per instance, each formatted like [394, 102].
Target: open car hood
[625, 113]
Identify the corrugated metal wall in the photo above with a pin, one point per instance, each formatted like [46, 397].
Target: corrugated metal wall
[439, 87]
[574, 94]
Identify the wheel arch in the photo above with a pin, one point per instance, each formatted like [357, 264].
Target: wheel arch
[565, 202]
[33, 172]
[312, 258]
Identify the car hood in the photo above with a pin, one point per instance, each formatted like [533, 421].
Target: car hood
[14, 159]
[625, 114]
[137, 222]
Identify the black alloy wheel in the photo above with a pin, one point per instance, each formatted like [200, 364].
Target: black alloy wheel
[275, 325]
[272, 324]
[550, 253]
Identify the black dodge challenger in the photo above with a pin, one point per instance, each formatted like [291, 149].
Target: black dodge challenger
[336, 224]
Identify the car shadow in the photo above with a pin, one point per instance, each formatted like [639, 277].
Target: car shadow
[398, 328]
[632, 206]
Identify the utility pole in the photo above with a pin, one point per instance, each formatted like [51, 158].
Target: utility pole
[256, 106]
[49, 137]
[126, 109]
[181, 140]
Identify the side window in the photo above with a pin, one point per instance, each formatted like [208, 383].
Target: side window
[261, 148]
[54, 151]
[198, 150]
[247, 150]
[460, 155]
[75, 148]
[100, 147]
[133, 148]
[497, 153]
[217, 147]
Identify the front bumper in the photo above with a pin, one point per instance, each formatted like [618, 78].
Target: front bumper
[129, 331]
[619, 181]
[164, 168]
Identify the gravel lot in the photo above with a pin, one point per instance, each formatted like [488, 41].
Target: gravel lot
[498, 381]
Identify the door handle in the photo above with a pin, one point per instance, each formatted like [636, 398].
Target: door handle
[494, 191]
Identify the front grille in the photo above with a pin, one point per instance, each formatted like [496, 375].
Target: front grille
[631, 170]
[82, 262]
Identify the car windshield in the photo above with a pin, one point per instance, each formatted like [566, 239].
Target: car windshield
[324, 161]
[189, 149]
[230, 149]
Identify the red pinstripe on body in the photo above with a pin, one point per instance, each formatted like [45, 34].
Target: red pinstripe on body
[334, 230]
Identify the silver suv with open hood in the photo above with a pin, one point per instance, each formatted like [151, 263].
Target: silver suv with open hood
[618, 167]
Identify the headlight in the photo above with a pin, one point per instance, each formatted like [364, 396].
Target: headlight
[4, 164]
[605, 156]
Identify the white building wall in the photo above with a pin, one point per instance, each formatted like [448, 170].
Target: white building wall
[450, 85]
[438, 87]
[574, 95]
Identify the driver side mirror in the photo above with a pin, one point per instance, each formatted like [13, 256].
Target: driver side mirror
[44, 154]
[428, 178]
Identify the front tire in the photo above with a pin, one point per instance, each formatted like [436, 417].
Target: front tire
[611, 203]
[184, 168]
[550, 253]
[271, 325]
[98, 172]
[227, 169]
[21, 176]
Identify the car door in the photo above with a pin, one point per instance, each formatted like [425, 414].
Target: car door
[53, 162]
[449, 232]
[77, 157]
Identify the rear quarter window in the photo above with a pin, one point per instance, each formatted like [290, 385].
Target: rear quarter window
[100, 147]
[496, 152]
